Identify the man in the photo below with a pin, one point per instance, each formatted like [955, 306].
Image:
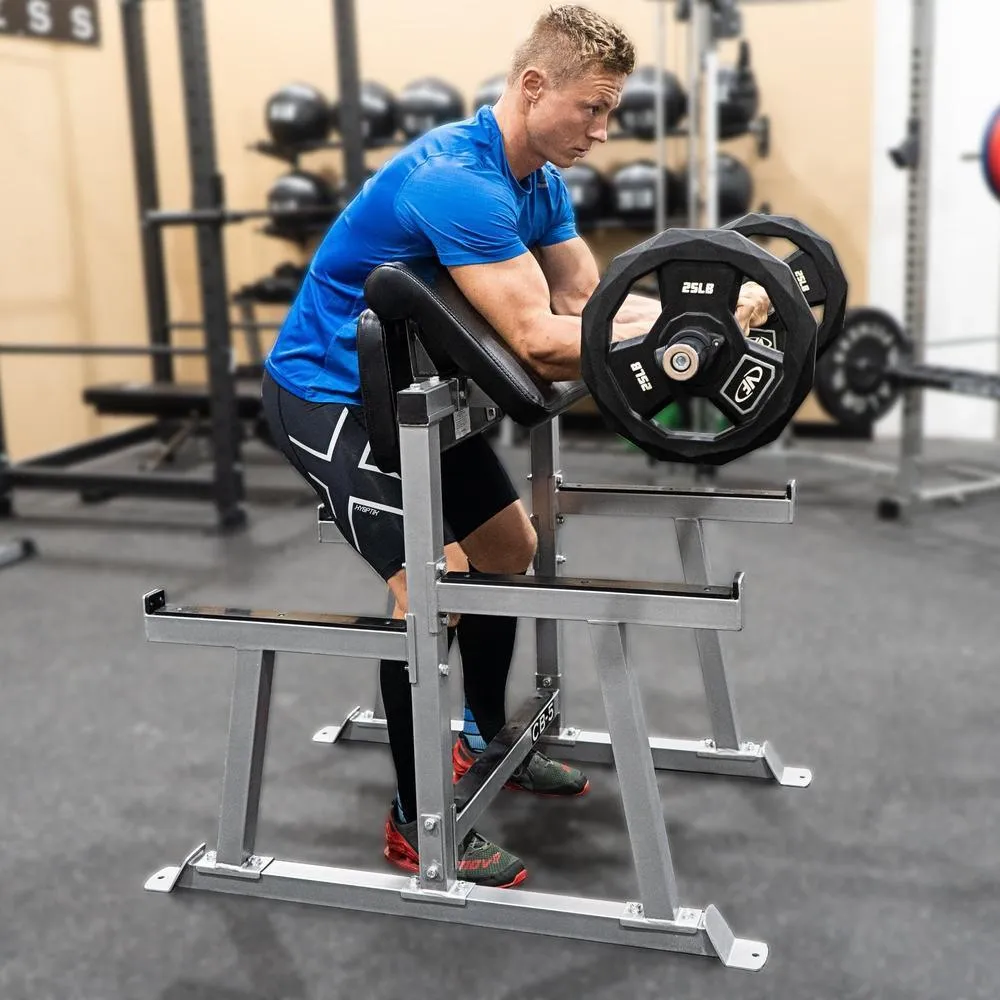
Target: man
[482, 197]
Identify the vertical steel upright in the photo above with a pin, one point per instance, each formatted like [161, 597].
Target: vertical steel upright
[545, 479]
[695, 99]
[207, 194]
[907, 487]
[349, 80]
[146, 183]
[660, 34]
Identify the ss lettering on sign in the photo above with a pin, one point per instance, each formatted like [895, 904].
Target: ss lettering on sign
[52, 20]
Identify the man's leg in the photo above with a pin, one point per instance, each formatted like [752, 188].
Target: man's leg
[397, 697]
[496, 540]
[328, 444]
[504, 544]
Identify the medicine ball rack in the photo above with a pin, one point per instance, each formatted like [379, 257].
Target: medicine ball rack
[227, 402]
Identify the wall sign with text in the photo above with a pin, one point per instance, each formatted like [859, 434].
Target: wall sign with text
[52, 20]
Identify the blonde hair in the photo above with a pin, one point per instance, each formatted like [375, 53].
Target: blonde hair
[569, 41]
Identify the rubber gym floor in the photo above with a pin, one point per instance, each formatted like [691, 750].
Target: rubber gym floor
[869, 655]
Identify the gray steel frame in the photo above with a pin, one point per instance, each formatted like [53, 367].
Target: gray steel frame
[656, 920]
[224, 485]
[207, 193]
[908, 489]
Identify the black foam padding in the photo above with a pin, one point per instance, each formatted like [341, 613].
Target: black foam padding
[384, 367]
[454, 333]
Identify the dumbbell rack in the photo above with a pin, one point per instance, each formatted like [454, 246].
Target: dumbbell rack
[447, 811]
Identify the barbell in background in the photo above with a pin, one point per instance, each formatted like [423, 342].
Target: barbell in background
[861, 377]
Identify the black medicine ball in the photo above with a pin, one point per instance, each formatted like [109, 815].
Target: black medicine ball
[425, 104]
[378, 113]
[636, 114]
[489, 92]
[588, 191]
[297, 114]
[735, 188]
[300, 189]
[633, 193]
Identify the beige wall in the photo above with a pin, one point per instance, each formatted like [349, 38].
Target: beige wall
[69, 264]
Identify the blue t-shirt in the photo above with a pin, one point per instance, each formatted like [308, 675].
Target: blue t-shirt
[447, 198]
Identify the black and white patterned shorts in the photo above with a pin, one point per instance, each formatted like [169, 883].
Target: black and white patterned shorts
[328, 444]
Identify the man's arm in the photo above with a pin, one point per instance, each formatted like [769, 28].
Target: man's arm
[515, 299]
[572, 275]
[539, 318]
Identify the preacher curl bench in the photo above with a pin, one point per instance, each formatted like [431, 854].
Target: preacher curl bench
[450, 375]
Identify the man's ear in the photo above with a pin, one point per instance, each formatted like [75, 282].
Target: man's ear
[532, 83]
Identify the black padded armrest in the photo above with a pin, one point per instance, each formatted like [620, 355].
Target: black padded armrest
[384, 367]
[451, 330]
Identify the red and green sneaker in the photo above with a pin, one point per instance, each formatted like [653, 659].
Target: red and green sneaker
[538, 774]
[480, 861]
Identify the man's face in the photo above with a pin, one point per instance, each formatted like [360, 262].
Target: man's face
[564, 122]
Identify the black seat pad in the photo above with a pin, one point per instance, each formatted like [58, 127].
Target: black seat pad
[384, 367]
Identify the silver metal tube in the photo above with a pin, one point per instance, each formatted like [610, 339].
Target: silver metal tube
[423, 532]
[634, 602]
[214, 627]
[244, 769]
[694, 560]
[917, 241]
[545, 479]
[753, 506]
[695, 932]
[636, 776]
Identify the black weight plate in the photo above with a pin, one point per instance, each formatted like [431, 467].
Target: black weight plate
[774, 335]
[795, 367]
[697, 286]
[851, 378]
[640, 380]
[750, 382]
[808, 276]
[814, 262]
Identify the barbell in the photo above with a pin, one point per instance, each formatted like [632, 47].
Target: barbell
[696, 349]
[861, 377]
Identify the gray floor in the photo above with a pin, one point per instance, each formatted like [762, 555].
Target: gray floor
[869, 655]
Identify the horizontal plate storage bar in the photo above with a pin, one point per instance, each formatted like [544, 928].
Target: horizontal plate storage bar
[578, 599]
[759, 506]
[284, 631]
